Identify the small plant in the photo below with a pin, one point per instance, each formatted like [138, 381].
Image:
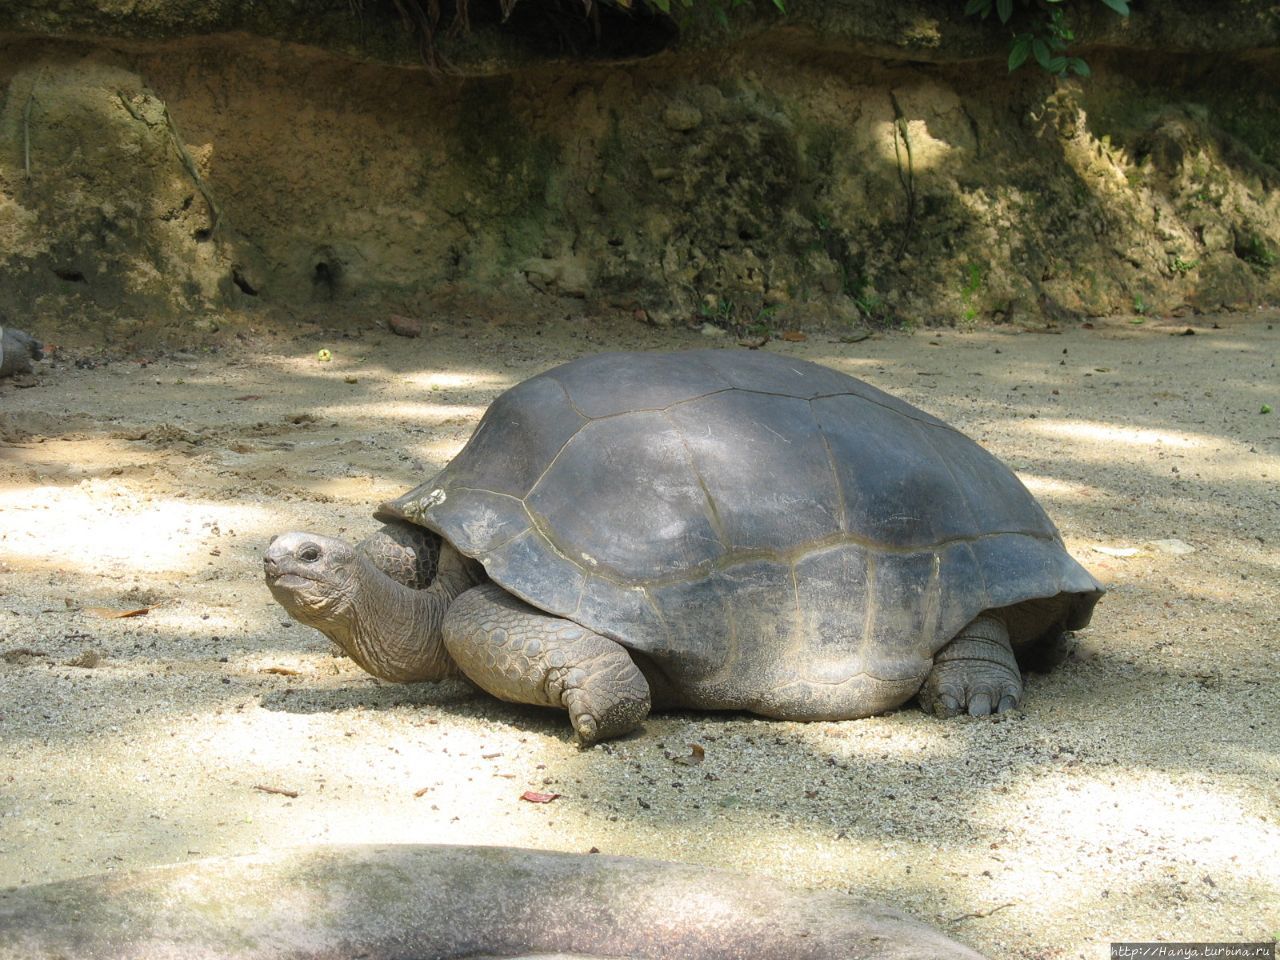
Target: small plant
[739, 319]
[969, 288]
[1253, 249]
[1182, 267]
[1048, 35]
[1139, 305]
[870, 304]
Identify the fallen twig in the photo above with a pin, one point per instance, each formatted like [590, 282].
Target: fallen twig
[278, 790]
[979, 914]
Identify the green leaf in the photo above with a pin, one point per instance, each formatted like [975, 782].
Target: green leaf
[1119, 6]
[1004, 9]
[976, 6]
[1057, 65]
[1019, 51]
[663, 5]
[1041, 50]
[1080, 67]
[782, 7]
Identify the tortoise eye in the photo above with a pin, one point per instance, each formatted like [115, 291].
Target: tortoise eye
[309, 553]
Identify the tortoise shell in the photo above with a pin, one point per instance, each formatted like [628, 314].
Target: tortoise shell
[724, 511]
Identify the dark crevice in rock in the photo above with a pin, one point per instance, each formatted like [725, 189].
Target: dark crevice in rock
[245, 286]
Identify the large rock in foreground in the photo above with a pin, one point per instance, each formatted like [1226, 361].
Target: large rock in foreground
[440, 901]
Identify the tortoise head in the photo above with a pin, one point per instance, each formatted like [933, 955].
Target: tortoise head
[387, 628]
[316, 578]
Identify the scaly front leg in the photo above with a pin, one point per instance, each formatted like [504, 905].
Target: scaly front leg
[520, 654]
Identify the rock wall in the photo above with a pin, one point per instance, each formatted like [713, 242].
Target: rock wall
[838, 165]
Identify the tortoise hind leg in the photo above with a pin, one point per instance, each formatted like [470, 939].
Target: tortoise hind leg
[976, 672]
[520, 654]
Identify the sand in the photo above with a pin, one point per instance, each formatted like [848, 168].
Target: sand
[1135, 796]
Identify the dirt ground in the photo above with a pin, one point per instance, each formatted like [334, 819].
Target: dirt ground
[1136, 796]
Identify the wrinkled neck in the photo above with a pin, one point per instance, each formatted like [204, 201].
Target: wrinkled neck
[394, 632]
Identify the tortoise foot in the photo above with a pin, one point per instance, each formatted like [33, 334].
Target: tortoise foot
[975, 673]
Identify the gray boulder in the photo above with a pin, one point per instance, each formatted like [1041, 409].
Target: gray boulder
[380, 902]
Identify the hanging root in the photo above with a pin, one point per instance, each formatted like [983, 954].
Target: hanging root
[26, 134]
[908, 179]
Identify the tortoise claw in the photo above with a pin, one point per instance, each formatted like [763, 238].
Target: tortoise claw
[980, 705]
[946, 705]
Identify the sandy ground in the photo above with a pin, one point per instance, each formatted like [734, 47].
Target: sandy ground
[1135, 797]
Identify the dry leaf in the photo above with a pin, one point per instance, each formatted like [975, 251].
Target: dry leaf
[250, 396]
[794, 336]
[283, 671]
[534, 797]
[107, 613]
[422, 793]
[696, 755]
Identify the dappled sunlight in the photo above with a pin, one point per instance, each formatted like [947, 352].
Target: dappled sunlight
[1107, 433]
[457, 380]
[907, 736]
[1058, 489]
[364, 490]
[101, 527]
[1140, 817]
[1203, 456]
[432, 414]
[195, 621]
[926, 151]
[417, 373]
[214, 725]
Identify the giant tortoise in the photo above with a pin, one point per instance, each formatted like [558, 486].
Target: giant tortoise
[713, 529]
